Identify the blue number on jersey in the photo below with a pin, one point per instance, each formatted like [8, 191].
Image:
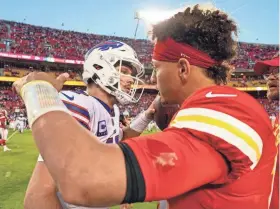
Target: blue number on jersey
[113, 140]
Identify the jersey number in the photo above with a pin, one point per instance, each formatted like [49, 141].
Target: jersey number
[113, 140]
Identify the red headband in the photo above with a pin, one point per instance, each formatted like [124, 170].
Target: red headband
[171, 51]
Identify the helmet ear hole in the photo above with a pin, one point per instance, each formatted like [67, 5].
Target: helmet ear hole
[117, 64]
[97, 67]
[92, 79]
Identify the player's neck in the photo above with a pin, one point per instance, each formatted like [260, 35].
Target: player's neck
[103, 96]
[193, 86]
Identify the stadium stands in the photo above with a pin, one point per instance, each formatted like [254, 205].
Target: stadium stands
[19, 38]
[41, 41]
[236, 81]
[11, 101]
[49, 42]
[20, 72]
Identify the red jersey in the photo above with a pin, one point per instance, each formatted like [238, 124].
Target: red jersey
[275, 194]
[3, 119]
[218, 152]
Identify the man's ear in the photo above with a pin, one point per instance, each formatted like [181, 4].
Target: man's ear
[184, 69]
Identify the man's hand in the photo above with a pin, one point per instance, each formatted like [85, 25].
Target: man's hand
[150, 112]
[57, 83]
[137, 126]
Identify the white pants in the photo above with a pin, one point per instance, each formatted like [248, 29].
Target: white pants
[150, 127]
[70, 206]
[163, 204]
[4, 133]
[19, 125]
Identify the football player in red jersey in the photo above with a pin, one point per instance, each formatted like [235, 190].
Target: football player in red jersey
[217, 152]
[3, 129]
[270, 70]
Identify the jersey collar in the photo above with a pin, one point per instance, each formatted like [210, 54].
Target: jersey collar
[109, 110]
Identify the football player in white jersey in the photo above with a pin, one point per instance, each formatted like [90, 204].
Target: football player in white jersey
[151, 126]
[111, 72]
[20, 123]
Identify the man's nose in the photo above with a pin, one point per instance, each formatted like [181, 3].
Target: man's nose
[130, 81]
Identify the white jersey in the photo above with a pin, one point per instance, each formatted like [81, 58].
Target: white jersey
[21, 119]
[21, 122]
[95, 116]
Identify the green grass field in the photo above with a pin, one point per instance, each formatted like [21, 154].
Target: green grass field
[16, 168]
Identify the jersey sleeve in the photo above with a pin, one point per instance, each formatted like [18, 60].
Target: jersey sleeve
[231, 126]
[81, 109]
[78, 107]
[206, 133]
[173, 162]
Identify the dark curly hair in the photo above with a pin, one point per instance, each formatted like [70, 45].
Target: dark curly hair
[208, 31]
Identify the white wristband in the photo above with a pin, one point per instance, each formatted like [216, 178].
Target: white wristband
[40, 97]
[40, 158]
[140, 123]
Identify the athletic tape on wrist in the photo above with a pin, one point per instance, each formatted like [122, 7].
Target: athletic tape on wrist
[40, 97]
[40, 158]
[140, 123]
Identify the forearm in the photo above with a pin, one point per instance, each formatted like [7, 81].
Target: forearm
[129, 133]
[137, 126]
[41, 191]
[68, 151]
[42, 201]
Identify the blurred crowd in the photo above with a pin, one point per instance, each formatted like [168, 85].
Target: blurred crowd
[272, 107]
[9, 71]
[10, 101]
[28, 39]
[50, 42]
[239, 80]
[242, 80]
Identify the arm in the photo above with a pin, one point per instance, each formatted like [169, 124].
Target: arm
[135, 167]
[78, 179]
[167, 160]
[41, 190]
[128, 132]
[139, 124]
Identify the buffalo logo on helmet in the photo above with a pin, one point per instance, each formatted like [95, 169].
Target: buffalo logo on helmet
[108, 45]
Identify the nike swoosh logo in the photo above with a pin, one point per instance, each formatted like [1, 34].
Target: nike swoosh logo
[211, 95]
[68, 97]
